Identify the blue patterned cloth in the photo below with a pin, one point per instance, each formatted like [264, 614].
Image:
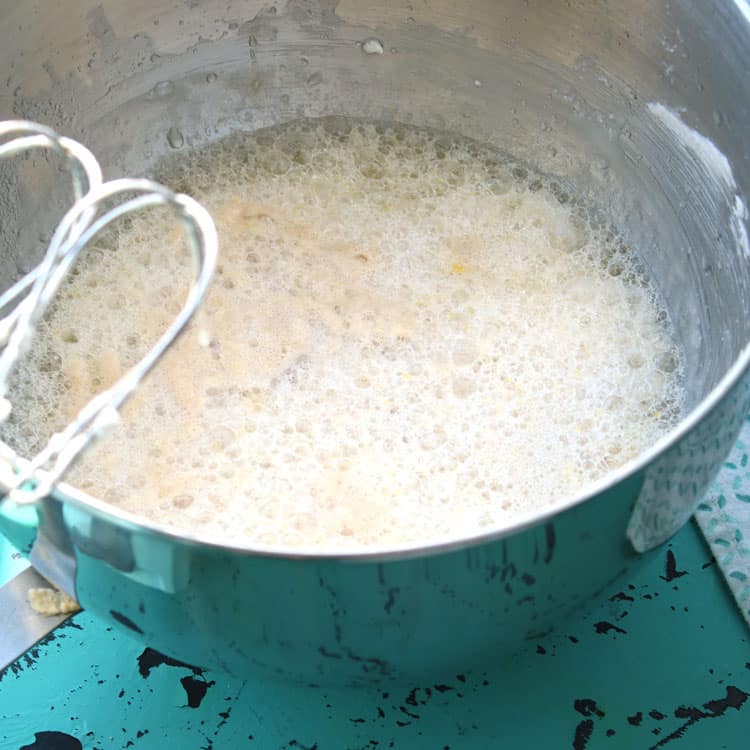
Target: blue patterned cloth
[724, 518]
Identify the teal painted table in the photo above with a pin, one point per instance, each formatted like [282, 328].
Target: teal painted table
[661, 661]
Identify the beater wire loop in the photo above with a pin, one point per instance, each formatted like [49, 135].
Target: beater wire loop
[97, 205]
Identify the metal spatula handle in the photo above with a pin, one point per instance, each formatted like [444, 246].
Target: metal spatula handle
[20, 625]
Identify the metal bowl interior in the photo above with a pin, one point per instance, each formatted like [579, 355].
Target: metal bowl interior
[640, 108]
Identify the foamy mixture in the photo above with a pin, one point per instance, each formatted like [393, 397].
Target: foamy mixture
[409, 337]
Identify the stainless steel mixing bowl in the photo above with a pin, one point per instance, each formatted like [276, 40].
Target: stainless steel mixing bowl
[642, 105]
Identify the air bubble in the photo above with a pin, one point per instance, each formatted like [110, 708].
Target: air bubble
[162, 89]
[51, 362]
[464, 352]
[175, 138]
[221, 437]
[463, 387]
[183, 501]
[373, 46]
[667, 362]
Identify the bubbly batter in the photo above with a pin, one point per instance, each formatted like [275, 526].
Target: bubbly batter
[409, 336]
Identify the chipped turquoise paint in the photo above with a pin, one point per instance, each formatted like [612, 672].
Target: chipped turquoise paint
[679, 645]
[629, 671]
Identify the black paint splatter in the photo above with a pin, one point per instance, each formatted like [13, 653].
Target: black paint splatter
[368, 664]
[604, 627]
[53, 741]
[636, 719]
[404, 710]
[583, 734]
[150, 659]
[587, 707]
[70, 623]
[621, 596]
[735, 698]
[195, 689]
[388, 606]
[29, 659]
[671, 572]
[549, 538]
[195, 685]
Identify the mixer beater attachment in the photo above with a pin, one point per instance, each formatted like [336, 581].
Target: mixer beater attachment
[97, 204]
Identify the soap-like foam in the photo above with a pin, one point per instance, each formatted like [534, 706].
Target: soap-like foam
[410, 336]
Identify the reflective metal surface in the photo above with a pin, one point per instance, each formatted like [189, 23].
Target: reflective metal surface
[641, 105]
[20, 625]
